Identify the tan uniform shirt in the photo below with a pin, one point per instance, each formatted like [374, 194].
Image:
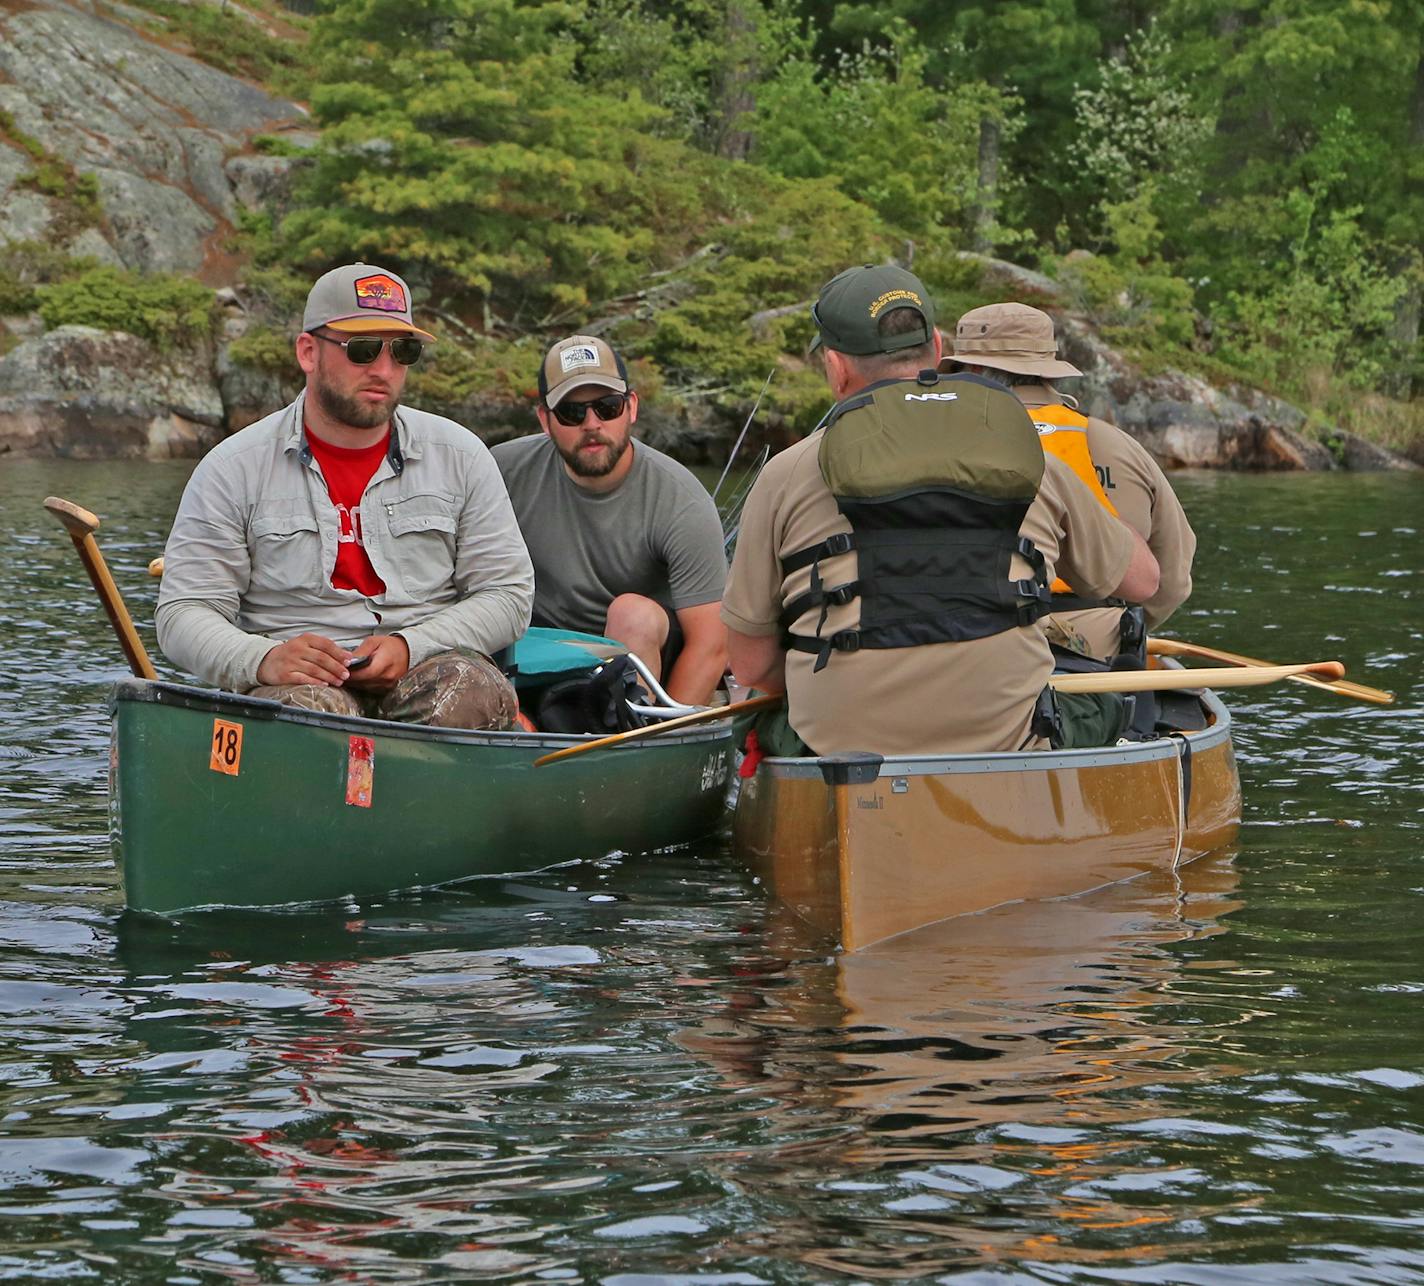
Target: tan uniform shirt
[935, 699]
[1144, 499]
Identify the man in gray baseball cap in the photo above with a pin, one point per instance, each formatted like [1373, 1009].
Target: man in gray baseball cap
[1015, 344]
[348, 554]
[889, 571]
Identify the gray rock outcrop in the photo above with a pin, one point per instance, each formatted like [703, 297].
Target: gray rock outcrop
[157, 129]
[92, 394]
[1185, 422]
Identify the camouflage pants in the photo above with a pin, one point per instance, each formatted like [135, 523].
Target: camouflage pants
[459, 689]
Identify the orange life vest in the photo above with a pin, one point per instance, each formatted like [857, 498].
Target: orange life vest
[1064, 432]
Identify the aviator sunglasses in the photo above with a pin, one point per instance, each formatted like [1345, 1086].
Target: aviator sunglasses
[362, 350]
[608, 407]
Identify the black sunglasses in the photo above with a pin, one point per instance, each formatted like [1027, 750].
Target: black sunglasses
[608, 407]
[362, 350]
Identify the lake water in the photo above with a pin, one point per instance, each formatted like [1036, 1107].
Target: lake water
[1212, 1079]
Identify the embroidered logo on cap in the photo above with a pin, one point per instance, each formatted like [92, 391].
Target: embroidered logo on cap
[571, 359]
[895, 296]
[380, 292]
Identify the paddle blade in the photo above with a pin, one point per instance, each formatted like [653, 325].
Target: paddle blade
[1342, 687]
[1167, 680]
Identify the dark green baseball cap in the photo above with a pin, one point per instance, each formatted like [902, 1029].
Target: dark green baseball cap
[850, 305]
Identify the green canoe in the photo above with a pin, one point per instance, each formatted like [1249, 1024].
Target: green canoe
[219, 800]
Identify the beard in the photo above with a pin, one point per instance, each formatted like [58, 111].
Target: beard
[601, 465]
[353, 412]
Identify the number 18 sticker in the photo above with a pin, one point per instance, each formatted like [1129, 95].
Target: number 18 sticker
[227, 747]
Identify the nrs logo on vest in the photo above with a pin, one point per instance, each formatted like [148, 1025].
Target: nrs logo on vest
[931, 397]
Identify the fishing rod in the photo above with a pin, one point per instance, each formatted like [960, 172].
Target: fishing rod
[737, 446]
[731, 523]
[731, 520]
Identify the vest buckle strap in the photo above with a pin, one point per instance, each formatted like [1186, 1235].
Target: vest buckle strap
[841, 543]
[1033, 601]
[1031, 553]
[840, 641]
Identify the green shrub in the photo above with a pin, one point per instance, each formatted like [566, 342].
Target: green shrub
[264, 348]
[27, 265]
[1131, 293]
[76, 194]
[168, 311]
[230, 40]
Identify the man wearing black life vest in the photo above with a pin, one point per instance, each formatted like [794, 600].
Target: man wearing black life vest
[1015, 344]
[892, 568]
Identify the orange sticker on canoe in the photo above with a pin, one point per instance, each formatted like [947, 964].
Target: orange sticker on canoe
[227, 747]
[360, 771]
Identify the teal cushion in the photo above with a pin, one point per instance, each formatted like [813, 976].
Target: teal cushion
[543, 655]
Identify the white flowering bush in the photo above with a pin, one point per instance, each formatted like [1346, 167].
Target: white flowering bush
[1138, 124]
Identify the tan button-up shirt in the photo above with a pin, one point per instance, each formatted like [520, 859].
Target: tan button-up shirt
[1145, 501]
[939, 698]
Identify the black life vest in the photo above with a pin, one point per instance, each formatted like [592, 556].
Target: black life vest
[935, 476]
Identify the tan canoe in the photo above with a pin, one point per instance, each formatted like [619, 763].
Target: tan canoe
[865, 848]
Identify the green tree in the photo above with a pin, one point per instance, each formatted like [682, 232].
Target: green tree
[700, 61]
[894, 141]
[1034, 52]
[1320, 142]
[1138, 125]
[457, 142]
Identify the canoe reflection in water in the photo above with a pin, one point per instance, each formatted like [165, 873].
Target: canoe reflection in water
[981, 1054]
[470, 1086]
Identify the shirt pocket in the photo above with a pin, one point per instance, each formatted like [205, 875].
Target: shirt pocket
[422, 542]
[284, 541]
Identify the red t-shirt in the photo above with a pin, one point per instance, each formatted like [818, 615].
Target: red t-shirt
[347, 470]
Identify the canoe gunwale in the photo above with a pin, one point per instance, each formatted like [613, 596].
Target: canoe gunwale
[233, 704]
[1127, 752]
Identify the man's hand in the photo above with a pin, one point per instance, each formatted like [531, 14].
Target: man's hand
[308, 658]
[390, 660]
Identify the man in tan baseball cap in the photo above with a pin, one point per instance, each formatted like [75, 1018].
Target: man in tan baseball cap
[625, 541]
[348, 554]
[1015, 344]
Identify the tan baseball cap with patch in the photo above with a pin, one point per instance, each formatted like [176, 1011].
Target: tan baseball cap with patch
[361, 298]
[1009, 337]
[579, 360]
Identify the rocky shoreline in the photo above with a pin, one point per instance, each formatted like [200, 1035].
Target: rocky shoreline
[170, 142]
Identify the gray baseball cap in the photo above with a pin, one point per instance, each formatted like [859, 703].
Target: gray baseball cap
[360, 298]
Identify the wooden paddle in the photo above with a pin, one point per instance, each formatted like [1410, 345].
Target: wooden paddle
[1164, 680]
[81, 526]
[1176, 647]
[682, 721]
[1105, 681]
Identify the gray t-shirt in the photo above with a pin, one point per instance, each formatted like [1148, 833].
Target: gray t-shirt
[656, 534]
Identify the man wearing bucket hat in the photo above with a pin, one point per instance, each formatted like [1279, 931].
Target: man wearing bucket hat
[348, 554]
[890, 569]
[1015, 344]
[625, 541]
